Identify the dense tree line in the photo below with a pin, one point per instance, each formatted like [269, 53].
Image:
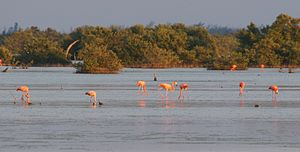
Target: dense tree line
[108, 49]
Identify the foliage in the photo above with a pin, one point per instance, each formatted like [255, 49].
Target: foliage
[35, 47]
[157, 46]
[5, 55]
[97, 59]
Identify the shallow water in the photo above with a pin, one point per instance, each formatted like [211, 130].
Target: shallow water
[213, 117]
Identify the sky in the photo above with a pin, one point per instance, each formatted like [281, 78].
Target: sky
[64, 15]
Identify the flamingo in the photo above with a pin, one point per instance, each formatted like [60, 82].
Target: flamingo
[142, 85]
[261, 66]
[24, 89]
[274, 88]
[233, 67]
[242, 86]
[183, 87]
[168, 87]
[92, 94]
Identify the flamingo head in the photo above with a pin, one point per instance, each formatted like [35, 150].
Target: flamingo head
[18, 89]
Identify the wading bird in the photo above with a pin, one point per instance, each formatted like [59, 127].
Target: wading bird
[168, 87]
[233, 67]
[261, 66]
[24, 90]
[154, 77]
[92, 94]
[183, 87]
[142, 86]
[242, 86]
[274, 89]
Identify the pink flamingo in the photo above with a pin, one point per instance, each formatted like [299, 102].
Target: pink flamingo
[24, 89]
[233, 67]
[261, 66]
[168, 87]
[183, 87]
[142, 86]
[92, 94]
[274, 89]
[242, 86]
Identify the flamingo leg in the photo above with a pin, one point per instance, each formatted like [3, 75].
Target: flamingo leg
[187, 94]
[166, 94]
[28, 99]
[274, 100]
[161, 95]
[241, 92]
[145, 90]
[180, 94]
[22, 97]
[95, 100]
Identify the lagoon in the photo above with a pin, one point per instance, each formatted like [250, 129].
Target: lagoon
[212, 118]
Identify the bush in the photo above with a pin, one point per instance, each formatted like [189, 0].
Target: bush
[97, 59]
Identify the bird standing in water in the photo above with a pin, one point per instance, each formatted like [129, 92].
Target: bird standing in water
[274, 89]
[242, 86]
[154, 77]
[168, 87]
[24, 90]
[92, 95]
[233, 67]
[261, 66]
[183, 87]
[142, 86]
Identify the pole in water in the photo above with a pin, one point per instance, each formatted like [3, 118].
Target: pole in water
[154, 77]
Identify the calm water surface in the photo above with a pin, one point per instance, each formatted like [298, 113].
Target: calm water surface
[213, 117]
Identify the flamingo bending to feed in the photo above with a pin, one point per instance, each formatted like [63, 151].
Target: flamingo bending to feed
[242, 86]
[24, 89]
[92, 94]
[142, 86]
[168, 87]
[183, 87]
[274, 88]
